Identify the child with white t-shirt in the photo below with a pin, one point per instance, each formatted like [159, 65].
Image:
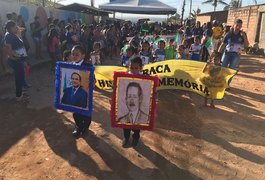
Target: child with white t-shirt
[160, 53]
[195, 49]
[145, 53]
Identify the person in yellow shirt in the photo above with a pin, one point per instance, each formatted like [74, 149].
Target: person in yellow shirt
[217, 35]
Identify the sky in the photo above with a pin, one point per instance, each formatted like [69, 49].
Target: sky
[174, 3]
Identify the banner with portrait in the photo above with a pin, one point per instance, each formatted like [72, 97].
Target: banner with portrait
[207, 80]
[74, 88]
[133, 102]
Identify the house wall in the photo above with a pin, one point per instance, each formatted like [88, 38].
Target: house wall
[251, 17]
[220, 16]
[28, 13]
[203, 19]
[261, 27]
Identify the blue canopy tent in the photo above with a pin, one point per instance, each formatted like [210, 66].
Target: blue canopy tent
[138, 7]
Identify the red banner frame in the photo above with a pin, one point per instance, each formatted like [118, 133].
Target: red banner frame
[152, 110]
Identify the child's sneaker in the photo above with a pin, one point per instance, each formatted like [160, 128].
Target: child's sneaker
[26, 87]
[22, 98]
[77, 133]
[125, 143]
[135, 142]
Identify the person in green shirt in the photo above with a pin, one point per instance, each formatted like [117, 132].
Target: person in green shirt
[170, 50]
[124, 48]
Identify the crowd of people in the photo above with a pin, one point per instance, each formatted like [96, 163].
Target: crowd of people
[135, 44]
[121, 39]
[191, 42]
[214, 43]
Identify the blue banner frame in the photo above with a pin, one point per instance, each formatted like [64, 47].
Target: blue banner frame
[57, 94]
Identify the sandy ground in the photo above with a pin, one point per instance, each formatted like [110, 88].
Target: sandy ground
[189, 141]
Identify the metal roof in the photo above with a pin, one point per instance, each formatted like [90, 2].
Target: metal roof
[76, 7]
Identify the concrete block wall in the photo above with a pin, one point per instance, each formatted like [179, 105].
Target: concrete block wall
[261, 27]
[251, 17]
[203, 19]
[220, 16]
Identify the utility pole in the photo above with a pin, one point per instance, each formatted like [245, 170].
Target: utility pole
[190, 8]
[182, 13]
[239, 3]
[176, 16]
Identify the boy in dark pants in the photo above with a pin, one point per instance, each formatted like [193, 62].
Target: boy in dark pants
[82, 122]
[127, 133]
[135, 67]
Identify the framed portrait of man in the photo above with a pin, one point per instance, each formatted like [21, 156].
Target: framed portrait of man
[74, 88]
[133, 102]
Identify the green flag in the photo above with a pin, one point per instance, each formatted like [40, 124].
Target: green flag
[124, 49]
[177, 37]
[209, 44]
[159, 39]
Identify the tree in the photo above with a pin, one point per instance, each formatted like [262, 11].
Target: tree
[52, 3]
[234, 4]
[174, 18]
[182, 12]
[214, 3]
[44, 3]
[195, 13]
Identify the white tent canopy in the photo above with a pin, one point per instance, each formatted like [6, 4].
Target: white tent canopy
[138, 7]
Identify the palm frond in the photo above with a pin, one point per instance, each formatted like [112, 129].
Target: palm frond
[222, 2]
[207, 2]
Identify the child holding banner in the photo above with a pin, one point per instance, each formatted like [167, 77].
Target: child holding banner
[82, 122]
[135, 67]
[215, 78]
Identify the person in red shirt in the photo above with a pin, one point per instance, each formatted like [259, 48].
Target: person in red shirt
[53, 46]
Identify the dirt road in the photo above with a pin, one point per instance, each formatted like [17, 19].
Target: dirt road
[189, 141]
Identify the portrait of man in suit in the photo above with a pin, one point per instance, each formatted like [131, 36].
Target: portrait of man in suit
[75, 95]
[133, 99]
